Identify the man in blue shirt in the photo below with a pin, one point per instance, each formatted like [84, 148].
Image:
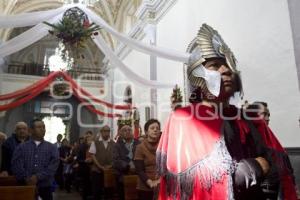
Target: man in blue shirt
[35, 161]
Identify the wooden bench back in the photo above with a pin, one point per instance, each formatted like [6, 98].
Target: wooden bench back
[109, 178]
[17, 192]
[8, 181]
[130, 183]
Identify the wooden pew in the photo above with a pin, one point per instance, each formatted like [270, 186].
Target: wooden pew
[17, 192]
[130, 182]
[8, 181]
[109, 178]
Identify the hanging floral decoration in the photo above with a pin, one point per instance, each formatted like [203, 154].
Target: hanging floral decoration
[73, 31]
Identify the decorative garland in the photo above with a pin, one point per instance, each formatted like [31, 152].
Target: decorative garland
[24, 95]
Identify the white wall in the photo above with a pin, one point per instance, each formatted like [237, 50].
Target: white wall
[259, 34]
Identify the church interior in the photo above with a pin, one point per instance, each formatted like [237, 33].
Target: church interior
[81, 66]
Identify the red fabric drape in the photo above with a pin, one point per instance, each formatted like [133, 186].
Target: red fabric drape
[27, 90]
[84, 92]
[33, 93]
[26, 94]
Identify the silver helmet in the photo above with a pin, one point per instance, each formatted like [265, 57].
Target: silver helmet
[208, 44]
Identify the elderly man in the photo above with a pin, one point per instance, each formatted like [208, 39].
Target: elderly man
[123, 155]
[20, 136]
[209, 150]
[102, 155]
[35, 161]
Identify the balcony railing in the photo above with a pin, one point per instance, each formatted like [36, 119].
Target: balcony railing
[28, 69]
[43, 70]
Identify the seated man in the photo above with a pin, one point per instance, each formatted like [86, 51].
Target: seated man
[123, 155]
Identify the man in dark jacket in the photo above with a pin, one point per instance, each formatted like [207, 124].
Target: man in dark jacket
[123, 155]
[21, 135]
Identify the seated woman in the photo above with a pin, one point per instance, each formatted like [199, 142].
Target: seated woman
[145, 160]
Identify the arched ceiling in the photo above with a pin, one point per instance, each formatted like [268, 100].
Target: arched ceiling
[114, 12]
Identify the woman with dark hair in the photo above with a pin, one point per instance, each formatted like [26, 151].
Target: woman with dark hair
[145, 160]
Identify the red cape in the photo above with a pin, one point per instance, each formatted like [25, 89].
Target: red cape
[193, 160]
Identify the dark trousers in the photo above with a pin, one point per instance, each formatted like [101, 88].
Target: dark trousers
[59, 175]
[68, 181]
[145, 195]
[45, 193]
[97, 180]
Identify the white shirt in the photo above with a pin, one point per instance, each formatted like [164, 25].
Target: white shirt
[37, 142]
[93, 150]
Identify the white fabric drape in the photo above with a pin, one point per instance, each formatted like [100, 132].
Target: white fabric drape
[27, 38]
[31, 18]
[116, 62]
[145, 48]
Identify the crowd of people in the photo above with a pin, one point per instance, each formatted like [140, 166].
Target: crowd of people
[80, 167]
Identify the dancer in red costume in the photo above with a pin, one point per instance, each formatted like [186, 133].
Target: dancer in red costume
[211, 150]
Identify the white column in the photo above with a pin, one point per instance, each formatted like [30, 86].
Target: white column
[150, 30]
[111, 77]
